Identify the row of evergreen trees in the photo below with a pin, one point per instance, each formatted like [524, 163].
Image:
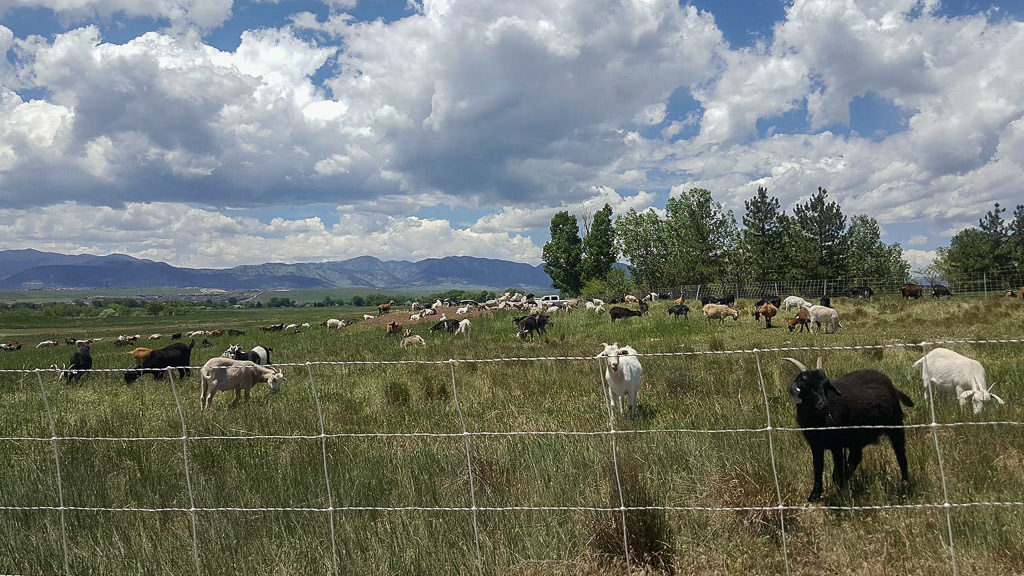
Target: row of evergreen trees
[699, 242]
[994, 245]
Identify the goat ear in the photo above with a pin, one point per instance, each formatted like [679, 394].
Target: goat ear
[829, 385]
[965, 394]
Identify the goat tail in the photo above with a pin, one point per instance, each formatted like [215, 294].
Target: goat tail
[904, 399]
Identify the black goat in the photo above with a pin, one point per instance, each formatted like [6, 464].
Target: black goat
[861, 292]
[939, 290]
[728, 300]
[448, 325]
[81, 359]
[529, 324]
[176, 355]
[258, 355]
[233, 332]
[176, 336]
[619, 312]
[825, 301]
[678, 309]
[774, 300]
[860, 398]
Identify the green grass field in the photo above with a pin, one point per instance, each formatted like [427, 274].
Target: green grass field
[657, 466]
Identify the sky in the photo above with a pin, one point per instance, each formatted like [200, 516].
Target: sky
[215, 133]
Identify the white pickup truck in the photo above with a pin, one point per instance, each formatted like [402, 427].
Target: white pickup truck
[550, 300]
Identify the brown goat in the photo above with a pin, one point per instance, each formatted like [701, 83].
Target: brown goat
[768, 311]
[383, 309]
[394, 327]
[140, 355]
[803, 318]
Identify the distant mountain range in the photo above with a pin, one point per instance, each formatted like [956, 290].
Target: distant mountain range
[26, 269]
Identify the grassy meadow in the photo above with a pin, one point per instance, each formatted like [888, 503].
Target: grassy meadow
[658, 466]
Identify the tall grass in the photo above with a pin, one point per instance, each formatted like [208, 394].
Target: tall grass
[657, 467]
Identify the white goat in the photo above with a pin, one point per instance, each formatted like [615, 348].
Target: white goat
[413, 340]
[590, 306]
[47, 344]
[429, 312]
[154, 336]
[622, 372]
[414, 317]
[824, 315]
[222, 374]
[598, 302]
[948, 371]
[333, 324]
[795, 302]
[719, 312]
[464, 326]
[368, 316]
[305, 325]
[463, 310]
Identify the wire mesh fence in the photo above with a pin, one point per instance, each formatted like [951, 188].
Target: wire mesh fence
[479, 506]
[992, 283]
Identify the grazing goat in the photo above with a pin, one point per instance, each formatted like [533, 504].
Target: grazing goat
[527, 325]
[795, 302]
[409, 339]
[773, 300]
[861, 292]
[81, 360]
[175, 355]
[629, 298]
[622, 372]
[446, 325]
[393, 328]
[258, 355]
[140, 355]
[233, 332]
[719, 312]
[368, 316]
[911, 290]
[618, 312]
[946, 370]
[383, 309]
[678, 309]
[11, 346]
[464, 326]
[802, 319]
[860, 398]
[825, 301]
[155, 336]
[222, 374]
[939, 291]
[766, 311]
[825, 315]
[47, 344]
[176, 336]
[332, 324]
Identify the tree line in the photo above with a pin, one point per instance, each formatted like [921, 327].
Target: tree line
[698, 241]
[995, 244]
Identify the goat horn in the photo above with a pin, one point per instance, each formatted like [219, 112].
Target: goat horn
[796, 363]
[819, 362]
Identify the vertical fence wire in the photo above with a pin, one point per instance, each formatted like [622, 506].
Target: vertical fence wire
[606, 390]
[938, 452]
[771, 452]
[60, 482]
[327, 476]
[188, 472]
[469, 468]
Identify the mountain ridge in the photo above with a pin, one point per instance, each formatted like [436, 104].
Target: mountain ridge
[29, 268]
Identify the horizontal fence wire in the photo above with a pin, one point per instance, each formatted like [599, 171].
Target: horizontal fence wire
[933, 426]
[894, 345]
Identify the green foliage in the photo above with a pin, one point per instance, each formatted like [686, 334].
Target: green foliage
[764, 237]
[615, 285]
[869, 256]
[599, 252]
[701, 238]
[993, 245]
[563, 254]
[822, 225]
[639, 239]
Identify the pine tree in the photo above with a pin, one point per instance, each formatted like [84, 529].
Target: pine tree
[824, 226]
[564, 253]
[764, 237]
[868, 256]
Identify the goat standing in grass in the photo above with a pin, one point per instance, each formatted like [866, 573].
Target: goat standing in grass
[622, 372]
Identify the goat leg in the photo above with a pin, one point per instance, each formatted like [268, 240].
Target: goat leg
[818, 457]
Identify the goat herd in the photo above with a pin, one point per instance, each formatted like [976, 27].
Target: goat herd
[864, 404]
